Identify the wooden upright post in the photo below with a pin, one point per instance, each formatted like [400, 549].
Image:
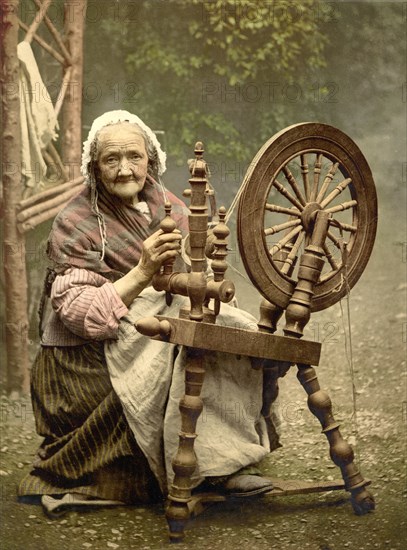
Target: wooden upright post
[71, 135]
[13, 250]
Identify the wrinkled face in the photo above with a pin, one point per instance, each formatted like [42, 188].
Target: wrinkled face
[122, 161]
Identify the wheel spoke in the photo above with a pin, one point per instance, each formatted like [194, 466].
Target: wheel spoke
[281, 227]
[334, 239]
[278, 246]
[293, 182]
[342, 206]
[304, 172]
[344, 226]
[317, 173]
[289, 261]
[282, 210]
[287, 195]
[337, 191]
[330, 258]
[327, 181]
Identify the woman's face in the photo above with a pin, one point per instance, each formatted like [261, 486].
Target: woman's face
[122, 161]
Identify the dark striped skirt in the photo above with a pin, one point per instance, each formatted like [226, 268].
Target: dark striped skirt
[88, 445]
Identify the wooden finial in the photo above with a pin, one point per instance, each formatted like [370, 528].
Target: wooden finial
[199, 149]
[168, 224]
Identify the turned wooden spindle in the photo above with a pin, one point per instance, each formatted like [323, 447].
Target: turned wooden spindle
[312, 261]
[341, 452]
[221, 232]
[319, 402]
[219, 264]
[168, 225]
[153, 327]
[270, 313]
[198, 223]
[184, 462]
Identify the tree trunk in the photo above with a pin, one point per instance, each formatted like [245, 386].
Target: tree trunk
[72, 108]
[16, 326]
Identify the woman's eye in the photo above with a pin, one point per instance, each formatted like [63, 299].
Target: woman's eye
[111, 160]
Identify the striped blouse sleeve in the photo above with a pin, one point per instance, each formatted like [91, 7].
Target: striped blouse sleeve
[88, 304]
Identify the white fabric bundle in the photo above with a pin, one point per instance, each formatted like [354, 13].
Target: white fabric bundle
[148, 377]
[38, 120]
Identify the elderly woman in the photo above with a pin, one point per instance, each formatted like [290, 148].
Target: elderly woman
[104, 397]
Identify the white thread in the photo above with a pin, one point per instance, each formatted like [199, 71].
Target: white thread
[349, 351]
[164, 192]
[235, 201]
[339, 286]
[239, 273]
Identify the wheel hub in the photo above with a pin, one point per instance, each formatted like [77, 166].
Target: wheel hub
[308, 216]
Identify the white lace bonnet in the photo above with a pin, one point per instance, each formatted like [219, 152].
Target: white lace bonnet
[113, 117]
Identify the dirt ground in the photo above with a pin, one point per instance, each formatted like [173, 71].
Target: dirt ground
[316, 522]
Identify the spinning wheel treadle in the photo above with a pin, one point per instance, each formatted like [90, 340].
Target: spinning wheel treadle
[303, 169]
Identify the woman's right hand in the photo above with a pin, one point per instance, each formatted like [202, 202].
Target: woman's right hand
[158, 249]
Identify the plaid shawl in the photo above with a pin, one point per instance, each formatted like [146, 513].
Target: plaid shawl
[75, 239]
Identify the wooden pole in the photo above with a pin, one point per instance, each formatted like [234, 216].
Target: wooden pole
[64, 86]
[43, 211]
[52, 192]
[42, 43]
[37, 20]
[55, 34]
[43, 216]
[16, 326]
[72, 108]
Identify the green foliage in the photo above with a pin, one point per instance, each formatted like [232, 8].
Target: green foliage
[233, 72]
[204, 68]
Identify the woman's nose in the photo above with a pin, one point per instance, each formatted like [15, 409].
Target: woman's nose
[124, 168]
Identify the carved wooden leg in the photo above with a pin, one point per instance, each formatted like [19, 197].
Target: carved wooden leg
[319, 403]
[184, 462]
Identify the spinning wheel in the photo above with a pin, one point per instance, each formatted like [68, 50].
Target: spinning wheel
[306, 227]
[301, 170]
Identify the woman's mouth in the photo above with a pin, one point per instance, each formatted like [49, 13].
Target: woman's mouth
[124, 182]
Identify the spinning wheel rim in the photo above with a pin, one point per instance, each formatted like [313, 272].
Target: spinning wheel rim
[276, 153]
